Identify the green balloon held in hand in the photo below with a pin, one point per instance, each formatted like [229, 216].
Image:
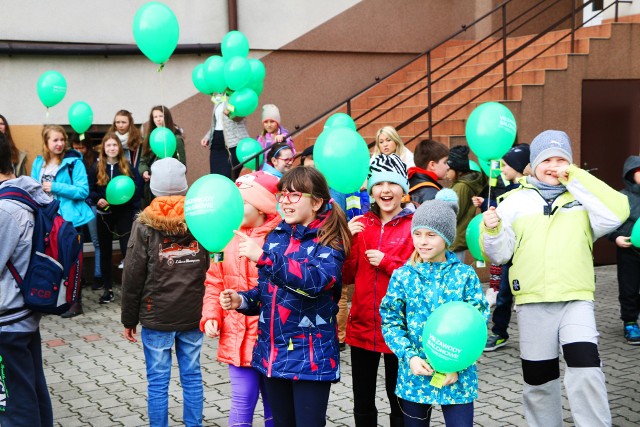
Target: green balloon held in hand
[243, 102]
[51, 87]
[163, 142]
[342, 156]
[491, 130]
[199, 79]
[80, 116]
[156, 31]
[635, 234]
[214, 73]
[473, 237]
[213, 208]
[120, 190]
[454, 337]
[234, 43]
[248, 147]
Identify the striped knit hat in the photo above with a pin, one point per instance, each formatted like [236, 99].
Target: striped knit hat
[388, 168]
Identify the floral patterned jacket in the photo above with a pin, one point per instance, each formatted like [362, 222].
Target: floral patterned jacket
[414, 292]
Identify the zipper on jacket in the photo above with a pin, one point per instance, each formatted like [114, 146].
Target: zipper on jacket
[271, 341]
[375, 287]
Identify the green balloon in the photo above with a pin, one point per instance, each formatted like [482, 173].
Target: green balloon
[342, 155]
[248, 147]
[237, 73]
[234, 43]
[243, 102]
[214, 73]
[80, 116]
[635, 234]
[258, 71]
[340, 120]
[454, 336]
[51, 87]
[491, 130]
[213, 208]
[156, 31]
[163, 142]
[485, 165]
[199, 79]
[120, 190]
[474, 166]
[473, 237]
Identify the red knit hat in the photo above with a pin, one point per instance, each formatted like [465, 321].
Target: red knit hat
[259, 189]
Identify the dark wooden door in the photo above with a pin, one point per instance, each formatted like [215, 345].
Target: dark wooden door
[610, 132]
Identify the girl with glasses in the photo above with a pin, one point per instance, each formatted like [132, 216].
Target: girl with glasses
[299, 284]
[279, 159]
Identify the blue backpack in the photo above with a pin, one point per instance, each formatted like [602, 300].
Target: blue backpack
[52, 281]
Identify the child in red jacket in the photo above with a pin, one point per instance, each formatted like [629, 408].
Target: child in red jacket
[381, 243]
[237, 332]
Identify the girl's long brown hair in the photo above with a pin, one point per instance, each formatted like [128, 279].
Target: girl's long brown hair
[123, 164]
[46, 131]
[15, 153]
[335, 230]
[168, 123]
[135, 137]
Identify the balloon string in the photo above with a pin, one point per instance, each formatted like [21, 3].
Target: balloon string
[46, 116]
[164, 123]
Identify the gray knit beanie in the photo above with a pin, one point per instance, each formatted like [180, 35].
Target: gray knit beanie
[550, 143]
[388, 168]
[438, 215]
[168, 177]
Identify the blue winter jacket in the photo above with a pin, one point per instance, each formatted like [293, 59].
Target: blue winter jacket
[70, 187]
[414, 292]
[299, 285]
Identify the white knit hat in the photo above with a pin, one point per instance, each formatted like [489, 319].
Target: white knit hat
[168, 178]
[270, 112]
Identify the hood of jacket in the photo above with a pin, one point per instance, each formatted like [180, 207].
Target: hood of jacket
[475, 180]
[632, 163]
[31, 186]
[165, 214]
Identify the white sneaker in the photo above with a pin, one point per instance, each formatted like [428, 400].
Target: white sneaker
[121, 265]
[491, 296]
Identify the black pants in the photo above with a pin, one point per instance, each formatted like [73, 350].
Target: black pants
[222, 161]
[119, 221]
[628, 283]
[297, 403]
[364, 371]
[25, 400]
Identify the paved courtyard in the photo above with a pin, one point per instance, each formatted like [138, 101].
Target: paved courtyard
[97, 378]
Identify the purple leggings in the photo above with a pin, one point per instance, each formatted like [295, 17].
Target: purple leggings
[246, 384]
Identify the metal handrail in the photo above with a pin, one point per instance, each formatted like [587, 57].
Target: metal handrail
[504, 33]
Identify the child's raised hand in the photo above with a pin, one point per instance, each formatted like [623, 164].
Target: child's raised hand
[211, 328]
[477, 201]
[230, 300]
[623, 241]
[561, 171]
[374, 256]
[355, 226]
[278, 138]
[450, 378]
[247, 247]
[420, 366]
[491, 218]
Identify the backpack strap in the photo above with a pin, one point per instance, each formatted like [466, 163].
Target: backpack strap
[424, 184]
[19, 195]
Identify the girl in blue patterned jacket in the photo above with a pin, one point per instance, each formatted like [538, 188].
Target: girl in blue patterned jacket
[432, 277]
[299, 285]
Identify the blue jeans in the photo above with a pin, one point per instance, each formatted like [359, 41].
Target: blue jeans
[92, 226]
[419, 414]
[157, 354]
[504, 302]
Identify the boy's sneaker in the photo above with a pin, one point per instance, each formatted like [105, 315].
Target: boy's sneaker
[97, 284]
[494, 342]
[107, 297]
[632, 333]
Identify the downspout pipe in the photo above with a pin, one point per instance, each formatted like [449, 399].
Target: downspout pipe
[232, 8]
[24, 48]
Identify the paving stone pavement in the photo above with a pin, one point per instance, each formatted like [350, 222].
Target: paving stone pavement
[97, 378]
